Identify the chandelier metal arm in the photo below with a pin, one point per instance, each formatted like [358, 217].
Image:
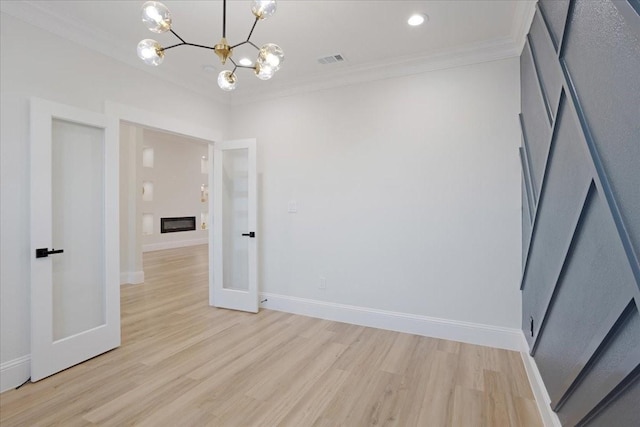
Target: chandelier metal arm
[188, 44]
[184, 43]
[172, 46]
[241, 43]
[248, 37]
[176, 34]
[157, 18]
[236, 65]
[252, 28]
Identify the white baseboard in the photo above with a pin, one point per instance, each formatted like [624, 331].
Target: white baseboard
[549, 418]
[172, 245]
[131, 277]
[14, 372]
[473, 333]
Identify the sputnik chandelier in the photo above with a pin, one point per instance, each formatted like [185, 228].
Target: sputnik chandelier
[157, 18]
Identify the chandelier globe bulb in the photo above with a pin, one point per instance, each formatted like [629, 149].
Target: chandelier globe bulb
[156, 17]
[150, 52]
[262, 9]
[227, 80]
[271, 55]
[263, 71]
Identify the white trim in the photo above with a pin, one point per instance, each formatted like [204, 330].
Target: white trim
[14, 372]
[161, 122]
[172, 245]
[34, 13]
[525, 10]
[96, 40]
[131, 277]
[473, 333]
[477, 53]
[549, 418]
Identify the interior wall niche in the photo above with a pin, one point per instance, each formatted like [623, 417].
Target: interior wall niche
[147, 157]
[147, 224]
[147, 191]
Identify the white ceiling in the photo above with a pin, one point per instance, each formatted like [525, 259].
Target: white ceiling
[372, 35]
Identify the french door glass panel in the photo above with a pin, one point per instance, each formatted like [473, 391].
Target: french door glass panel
[233, 274]
[78, 279]
[235, 219]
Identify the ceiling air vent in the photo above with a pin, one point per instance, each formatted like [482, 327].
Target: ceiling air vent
[331, 59]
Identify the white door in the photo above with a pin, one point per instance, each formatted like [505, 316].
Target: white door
[75, 289]
[233, 272]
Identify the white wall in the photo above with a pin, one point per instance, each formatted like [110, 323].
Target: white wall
[408, 189]
[37, 63]
[408, 193]
[176, 177]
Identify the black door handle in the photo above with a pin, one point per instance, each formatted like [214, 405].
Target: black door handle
[45, 252]
[251, 234]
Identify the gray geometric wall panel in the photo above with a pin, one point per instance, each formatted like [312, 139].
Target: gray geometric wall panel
[566, 183]
[602, 55]
[611, 368]
[535, 121]
[556, 13]
[591, 288]
[625, 410]
[546, 62]
[580, 94]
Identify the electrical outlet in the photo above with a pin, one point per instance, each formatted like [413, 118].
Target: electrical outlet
[323, 283]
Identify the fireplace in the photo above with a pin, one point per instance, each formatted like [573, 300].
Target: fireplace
[175, 224]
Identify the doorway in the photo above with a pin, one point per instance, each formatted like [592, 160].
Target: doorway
[164, 195]
[136, 120]
[236, 180]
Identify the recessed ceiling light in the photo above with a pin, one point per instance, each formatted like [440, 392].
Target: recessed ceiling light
[209, 68]
[245, 61]
[417, 19]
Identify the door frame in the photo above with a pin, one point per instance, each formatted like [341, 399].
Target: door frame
[157, 121]
[47, 355]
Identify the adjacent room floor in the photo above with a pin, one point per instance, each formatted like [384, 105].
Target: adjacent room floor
[183, 363]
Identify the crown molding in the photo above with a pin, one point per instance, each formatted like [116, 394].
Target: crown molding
[96, 40]
[525, 10]
[33, 13]
[468, 55]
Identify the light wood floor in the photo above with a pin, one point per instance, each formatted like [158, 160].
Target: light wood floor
[183, 363]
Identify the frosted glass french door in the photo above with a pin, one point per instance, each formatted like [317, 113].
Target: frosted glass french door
[75, 289]
[234, 252]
